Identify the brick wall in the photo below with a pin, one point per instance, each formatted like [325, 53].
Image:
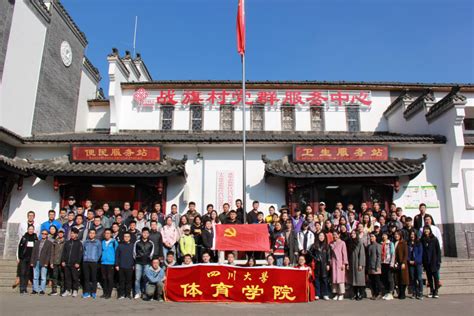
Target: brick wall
[58, 88]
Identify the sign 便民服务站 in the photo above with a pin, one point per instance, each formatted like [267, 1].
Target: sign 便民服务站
[115, 153]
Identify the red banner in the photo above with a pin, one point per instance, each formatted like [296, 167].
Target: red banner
[343, 153]
[251, 237]
[225, 283]
[131, 153]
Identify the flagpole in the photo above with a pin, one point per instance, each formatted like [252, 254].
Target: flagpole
[244, 140]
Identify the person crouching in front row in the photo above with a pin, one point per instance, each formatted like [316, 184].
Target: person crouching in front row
[155, 277]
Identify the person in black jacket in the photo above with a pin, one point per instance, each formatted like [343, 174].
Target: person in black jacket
[25, 250]
[143, 251]
[71, 262]
[321, 255]
[124, 263]
[157, 240]
[207, 238]
[431, 260]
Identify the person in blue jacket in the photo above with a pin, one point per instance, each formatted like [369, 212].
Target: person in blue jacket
[155, 277]
[51, 221]
[415, 264]
[92, 253]
[109, 247]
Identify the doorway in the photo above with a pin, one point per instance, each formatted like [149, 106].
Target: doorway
[311, 193]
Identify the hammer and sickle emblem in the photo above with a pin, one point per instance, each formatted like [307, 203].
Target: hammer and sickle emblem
[230, 232]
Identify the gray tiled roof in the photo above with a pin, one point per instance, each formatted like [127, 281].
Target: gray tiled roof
[392, 168]
[61, 166]
[394, 84]
[16, 165]
[468, 139]
[235, 137]
[449, 101]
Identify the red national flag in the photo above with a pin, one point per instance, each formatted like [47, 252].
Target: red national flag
[241, 27]
[242, 237]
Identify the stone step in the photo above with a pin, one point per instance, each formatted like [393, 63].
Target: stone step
[466, 280]
[454, 275]
[457, 262]
[457, 289]
[7, 262]
[8, 269]
[466, 268]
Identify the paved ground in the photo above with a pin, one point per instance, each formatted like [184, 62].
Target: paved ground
[14, 304]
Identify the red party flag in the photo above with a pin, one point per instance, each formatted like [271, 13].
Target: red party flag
[241, 27]
[242, 237]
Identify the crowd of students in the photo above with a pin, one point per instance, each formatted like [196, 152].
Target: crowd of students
[131, 249]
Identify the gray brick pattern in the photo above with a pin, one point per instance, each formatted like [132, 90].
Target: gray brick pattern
[58, 88]
[6, 14]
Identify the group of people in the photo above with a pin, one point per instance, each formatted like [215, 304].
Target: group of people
[130, 249]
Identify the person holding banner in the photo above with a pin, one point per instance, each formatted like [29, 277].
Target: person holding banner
[207, 239]
[303, 266]
[339, 264]
[278, 244]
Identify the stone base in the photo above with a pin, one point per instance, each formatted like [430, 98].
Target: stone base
[458, 240]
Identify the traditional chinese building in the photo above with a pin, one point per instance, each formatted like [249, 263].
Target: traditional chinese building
[180, 141]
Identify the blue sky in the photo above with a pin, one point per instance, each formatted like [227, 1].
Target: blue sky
[363, 40]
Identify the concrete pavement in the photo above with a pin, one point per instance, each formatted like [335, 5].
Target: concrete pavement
[14, 304]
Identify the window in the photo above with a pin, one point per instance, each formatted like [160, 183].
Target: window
[227, 117]
[317, 119]
[287, 118]
[167, 117]
[196, 117]
[257, 115]
[353, 118]
[469, 125]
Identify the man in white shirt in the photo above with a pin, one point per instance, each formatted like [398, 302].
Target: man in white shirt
[30, 221]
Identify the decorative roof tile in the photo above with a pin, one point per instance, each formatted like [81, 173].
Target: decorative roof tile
[235, 137]
[15, 165]
[449, 101]
[392, 168]
[425, 99]
[61, 166]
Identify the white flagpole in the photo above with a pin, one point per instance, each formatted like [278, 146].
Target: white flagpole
[244, 140]
[135, 34]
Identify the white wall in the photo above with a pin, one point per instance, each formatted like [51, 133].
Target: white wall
[98, 117]
[37, 195]
[429, 176]
[269, 192]
[87, 91]
[22, 68]
[465, 215]
[148, 118]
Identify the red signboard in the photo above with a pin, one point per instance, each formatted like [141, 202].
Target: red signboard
[342, 153]
[225, 283]
[242, 237]
[128, 153]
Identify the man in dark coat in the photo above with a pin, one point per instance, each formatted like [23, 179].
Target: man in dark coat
[40, 262]
[156, 238]
[71, 262]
